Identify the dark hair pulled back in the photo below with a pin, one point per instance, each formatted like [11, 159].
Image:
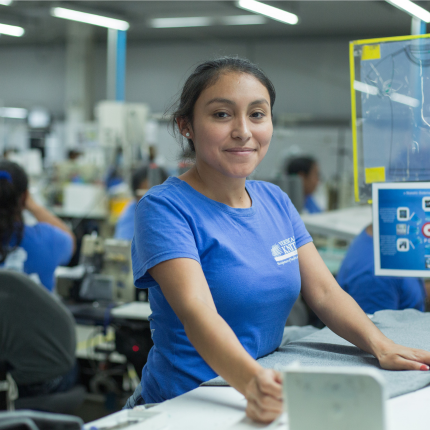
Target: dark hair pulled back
[205, 75]
[298, 165]
[11, 205]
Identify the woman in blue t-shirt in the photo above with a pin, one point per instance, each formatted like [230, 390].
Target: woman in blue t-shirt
[38, 249]
[224, 258]
[307, 168]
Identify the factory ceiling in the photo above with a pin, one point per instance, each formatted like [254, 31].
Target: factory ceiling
[318, 19]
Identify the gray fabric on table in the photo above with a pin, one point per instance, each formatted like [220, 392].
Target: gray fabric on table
[408, 327]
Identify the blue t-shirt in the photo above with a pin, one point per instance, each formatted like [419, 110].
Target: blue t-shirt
[43, 248]
[124, 228]
[375, 293]
[310, 205]
[249, 258]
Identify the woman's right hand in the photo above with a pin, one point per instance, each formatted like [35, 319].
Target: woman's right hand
[264, 396]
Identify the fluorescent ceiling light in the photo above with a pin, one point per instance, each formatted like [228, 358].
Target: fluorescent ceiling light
[203, 21]
[243, 20]
[365, 88]
[15, 113]
[11, 30]
[5, 2]
[412, 9]
[270, 11]
[192, 21]
[89, 18]
[395, 97]
[406, 100]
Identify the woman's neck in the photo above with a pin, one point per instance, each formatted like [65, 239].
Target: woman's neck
[218, 187]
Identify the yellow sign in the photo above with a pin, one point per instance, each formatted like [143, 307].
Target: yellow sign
[371, 52]
[374, 174]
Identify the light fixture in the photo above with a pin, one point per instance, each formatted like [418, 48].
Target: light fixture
[192, 21]
[203, 21]
[395, 97]
[89, 18]
[14, 113]
[405, 100]
[365, 88]
[412, 9]
[11, 30]
[243, 20]
[270, 11]
[5, 2]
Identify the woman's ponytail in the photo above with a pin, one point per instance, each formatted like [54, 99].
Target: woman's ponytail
[13, 185]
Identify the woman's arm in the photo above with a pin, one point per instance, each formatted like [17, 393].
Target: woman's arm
[43, 215]
[184, 286]
[342, 315]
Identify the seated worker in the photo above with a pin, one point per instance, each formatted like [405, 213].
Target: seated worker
[38, 249]
[139, 184]
[307, 168]
[375, 293]
[37, 337]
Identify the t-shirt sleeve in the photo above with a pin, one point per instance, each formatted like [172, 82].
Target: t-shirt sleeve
[300, 233]
[61, 244]
[162, 232]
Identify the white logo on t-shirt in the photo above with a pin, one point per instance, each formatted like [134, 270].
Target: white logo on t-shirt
[285, 251]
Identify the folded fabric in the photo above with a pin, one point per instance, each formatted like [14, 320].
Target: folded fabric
[324, 348]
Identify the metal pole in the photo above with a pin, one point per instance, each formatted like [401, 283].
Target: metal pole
[111, 64]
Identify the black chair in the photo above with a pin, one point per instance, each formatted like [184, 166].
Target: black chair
[37, 342]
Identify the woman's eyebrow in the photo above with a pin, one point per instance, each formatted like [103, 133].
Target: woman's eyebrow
[220, 100]
[259, 102]
[230, 102]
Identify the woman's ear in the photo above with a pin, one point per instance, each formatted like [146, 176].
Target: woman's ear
[184, 127]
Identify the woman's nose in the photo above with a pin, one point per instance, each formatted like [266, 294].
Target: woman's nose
[241, 129]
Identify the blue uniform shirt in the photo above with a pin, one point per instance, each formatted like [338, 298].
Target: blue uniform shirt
[249, 258]
[124, 228]
[375, 293]
[43, 248]
[310, 206]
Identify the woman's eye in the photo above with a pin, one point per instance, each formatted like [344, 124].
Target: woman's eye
[257, 115]
[221, 114]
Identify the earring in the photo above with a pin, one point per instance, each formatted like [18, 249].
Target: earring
[187, 134]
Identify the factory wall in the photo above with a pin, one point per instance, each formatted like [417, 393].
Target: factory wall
[310, 76]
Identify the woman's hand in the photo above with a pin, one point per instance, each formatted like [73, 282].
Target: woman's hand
[397, 357]
[264, 396]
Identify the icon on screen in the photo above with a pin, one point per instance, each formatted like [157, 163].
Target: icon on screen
[402, 214]
[401, 229]
[427, 261]
[426, 204]
[403, 245]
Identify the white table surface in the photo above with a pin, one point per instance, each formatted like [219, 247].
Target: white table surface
[343, 223]
[223, 408]
[133, 310]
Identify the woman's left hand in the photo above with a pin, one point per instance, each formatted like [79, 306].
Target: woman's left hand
[397, 357]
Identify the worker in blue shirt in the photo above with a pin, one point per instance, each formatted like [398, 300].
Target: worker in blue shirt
[307, 168]
[124, 228]
[36, 250]
[224, 258]
[375, 293]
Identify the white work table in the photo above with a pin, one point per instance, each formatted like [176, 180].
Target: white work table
[343, 223]
[223, 408]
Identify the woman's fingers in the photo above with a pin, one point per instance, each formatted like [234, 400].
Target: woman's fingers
[264, 395]
[269, 382]
[256, 413]
[403, 358]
